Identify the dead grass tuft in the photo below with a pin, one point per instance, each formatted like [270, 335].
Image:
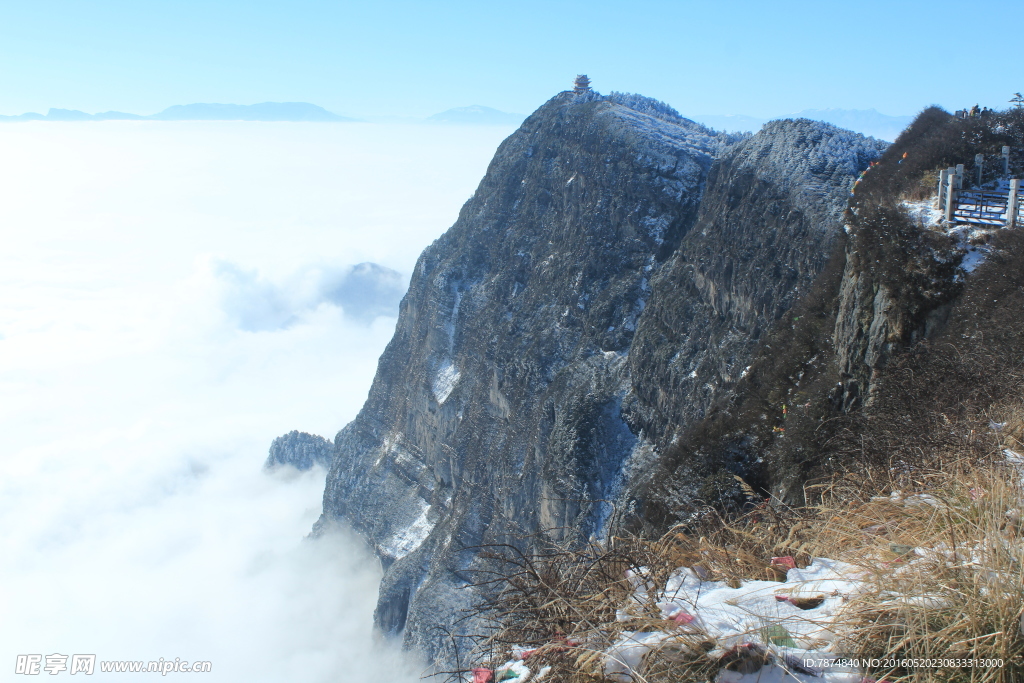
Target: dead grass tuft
[940, 552]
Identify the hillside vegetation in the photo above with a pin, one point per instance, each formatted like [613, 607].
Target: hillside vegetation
[864, 474]
[946, 347]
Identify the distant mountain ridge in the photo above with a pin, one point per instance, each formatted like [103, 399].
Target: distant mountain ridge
[264, 111]
[69, 115]
[865, 121]
[478, 115]
[273, 111]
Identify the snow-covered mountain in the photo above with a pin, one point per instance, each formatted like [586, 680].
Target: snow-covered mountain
[865, 121]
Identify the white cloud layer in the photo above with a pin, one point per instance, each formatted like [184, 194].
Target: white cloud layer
[172, 297]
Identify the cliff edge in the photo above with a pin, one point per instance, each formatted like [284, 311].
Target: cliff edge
[607, 281]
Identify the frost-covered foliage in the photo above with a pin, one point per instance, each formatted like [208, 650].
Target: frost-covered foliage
[659, 110]
[300, 450]
[661, 126]
[817, 157]
[647, 105]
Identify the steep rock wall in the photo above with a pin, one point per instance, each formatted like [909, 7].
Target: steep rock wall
[767, 224]
[495, 412]
[584, 307]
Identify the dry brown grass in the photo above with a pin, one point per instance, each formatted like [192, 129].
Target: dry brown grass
[942, 561]
[925, 188]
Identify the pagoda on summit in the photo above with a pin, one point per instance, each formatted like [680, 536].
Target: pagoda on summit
[581, 84]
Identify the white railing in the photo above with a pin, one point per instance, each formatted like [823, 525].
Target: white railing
[1000, 206]
[987, 207]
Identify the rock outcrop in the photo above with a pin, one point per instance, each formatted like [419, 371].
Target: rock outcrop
[301, 450]
[607, 281]
[768, 222]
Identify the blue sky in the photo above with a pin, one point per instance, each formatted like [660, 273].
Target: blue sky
[394, 57]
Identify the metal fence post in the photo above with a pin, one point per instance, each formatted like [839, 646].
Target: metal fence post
[1012, 203]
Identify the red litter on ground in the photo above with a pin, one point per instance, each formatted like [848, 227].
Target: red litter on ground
[566, 641]
[682, 617]
[788, 562]
[481, 675]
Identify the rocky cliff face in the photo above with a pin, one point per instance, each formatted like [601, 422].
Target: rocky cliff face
[300, 450]
[767, 224]
[591, 300]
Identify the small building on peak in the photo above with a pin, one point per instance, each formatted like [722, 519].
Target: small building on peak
[581, 84]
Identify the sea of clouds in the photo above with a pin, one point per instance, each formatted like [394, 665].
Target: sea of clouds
[173, 295]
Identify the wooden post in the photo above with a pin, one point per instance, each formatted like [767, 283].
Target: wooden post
[1012, 203]
[1006, 161]
[950, 197]
[979, 164]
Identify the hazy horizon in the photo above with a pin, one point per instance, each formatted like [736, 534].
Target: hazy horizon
[371, 118]
[168, 306]
[400, 58]
[867, 122]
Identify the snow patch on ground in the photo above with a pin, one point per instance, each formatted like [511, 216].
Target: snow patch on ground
[970, 238]
[973, 258]
[925, 213]
[756, 617]
[445, 379]
[736, 618]
[769, 631]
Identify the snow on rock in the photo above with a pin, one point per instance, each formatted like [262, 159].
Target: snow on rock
[445, 379]
[411, 537]
[656, 227]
